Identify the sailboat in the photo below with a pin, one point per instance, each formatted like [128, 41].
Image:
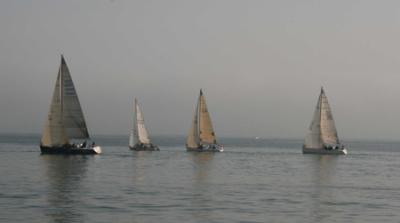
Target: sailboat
[201, 135]
[139, 138]
[322, 137]
[66, 124]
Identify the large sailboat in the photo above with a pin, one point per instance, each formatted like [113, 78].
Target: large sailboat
[65, 131]
[139, 138]
[201, 134]
[322, 137]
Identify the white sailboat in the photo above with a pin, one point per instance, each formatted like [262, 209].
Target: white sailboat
[65, 131]
[139, 138]
[201, 135]
[322, 137]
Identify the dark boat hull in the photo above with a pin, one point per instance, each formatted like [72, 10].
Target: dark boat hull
[67, 150]
[139, 147]
[322, 151]
[206, 148]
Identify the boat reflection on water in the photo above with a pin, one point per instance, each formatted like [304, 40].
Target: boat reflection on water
[322, 186]
[203, 187]
[65, 192]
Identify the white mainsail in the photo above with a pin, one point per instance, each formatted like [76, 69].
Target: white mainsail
[313, 137]
[201, 131]
[65, 120]
[140, 132]
[322, 129]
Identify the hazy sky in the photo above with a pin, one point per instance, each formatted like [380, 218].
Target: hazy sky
[260, 63]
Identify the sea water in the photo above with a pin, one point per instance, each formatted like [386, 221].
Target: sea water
[263, 180]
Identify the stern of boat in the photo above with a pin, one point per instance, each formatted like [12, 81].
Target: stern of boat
[97, 149]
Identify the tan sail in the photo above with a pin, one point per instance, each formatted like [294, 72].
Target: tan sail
[54, 133]
[206, 131]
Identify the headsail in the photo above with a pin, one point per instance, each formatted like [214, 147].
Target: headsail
[193, 136]
[131, 139]
[140, 132]
[328, 129]
[313, 137]
[54, 133]
[74, 121]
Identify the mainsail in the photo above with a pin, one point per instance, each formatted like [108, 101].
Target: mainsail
[201, 131]
[206, 130]
[140, 132]
[328, 129]
[65, 120]
[322, 129]
[74, 122]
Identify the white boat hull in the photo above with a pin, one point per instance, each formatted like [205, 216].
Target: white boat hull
[323, 151]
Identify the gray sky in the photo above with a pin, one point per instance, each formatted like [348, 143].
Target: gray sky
[260, 63]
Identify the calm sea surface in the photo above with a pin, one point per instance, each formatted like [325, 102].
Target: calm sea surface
[252, 181]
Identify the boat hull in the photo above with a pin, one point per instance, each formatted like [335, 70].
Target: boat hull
[65, 150]
[323, 151]
[206, 148]
[138, 147]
